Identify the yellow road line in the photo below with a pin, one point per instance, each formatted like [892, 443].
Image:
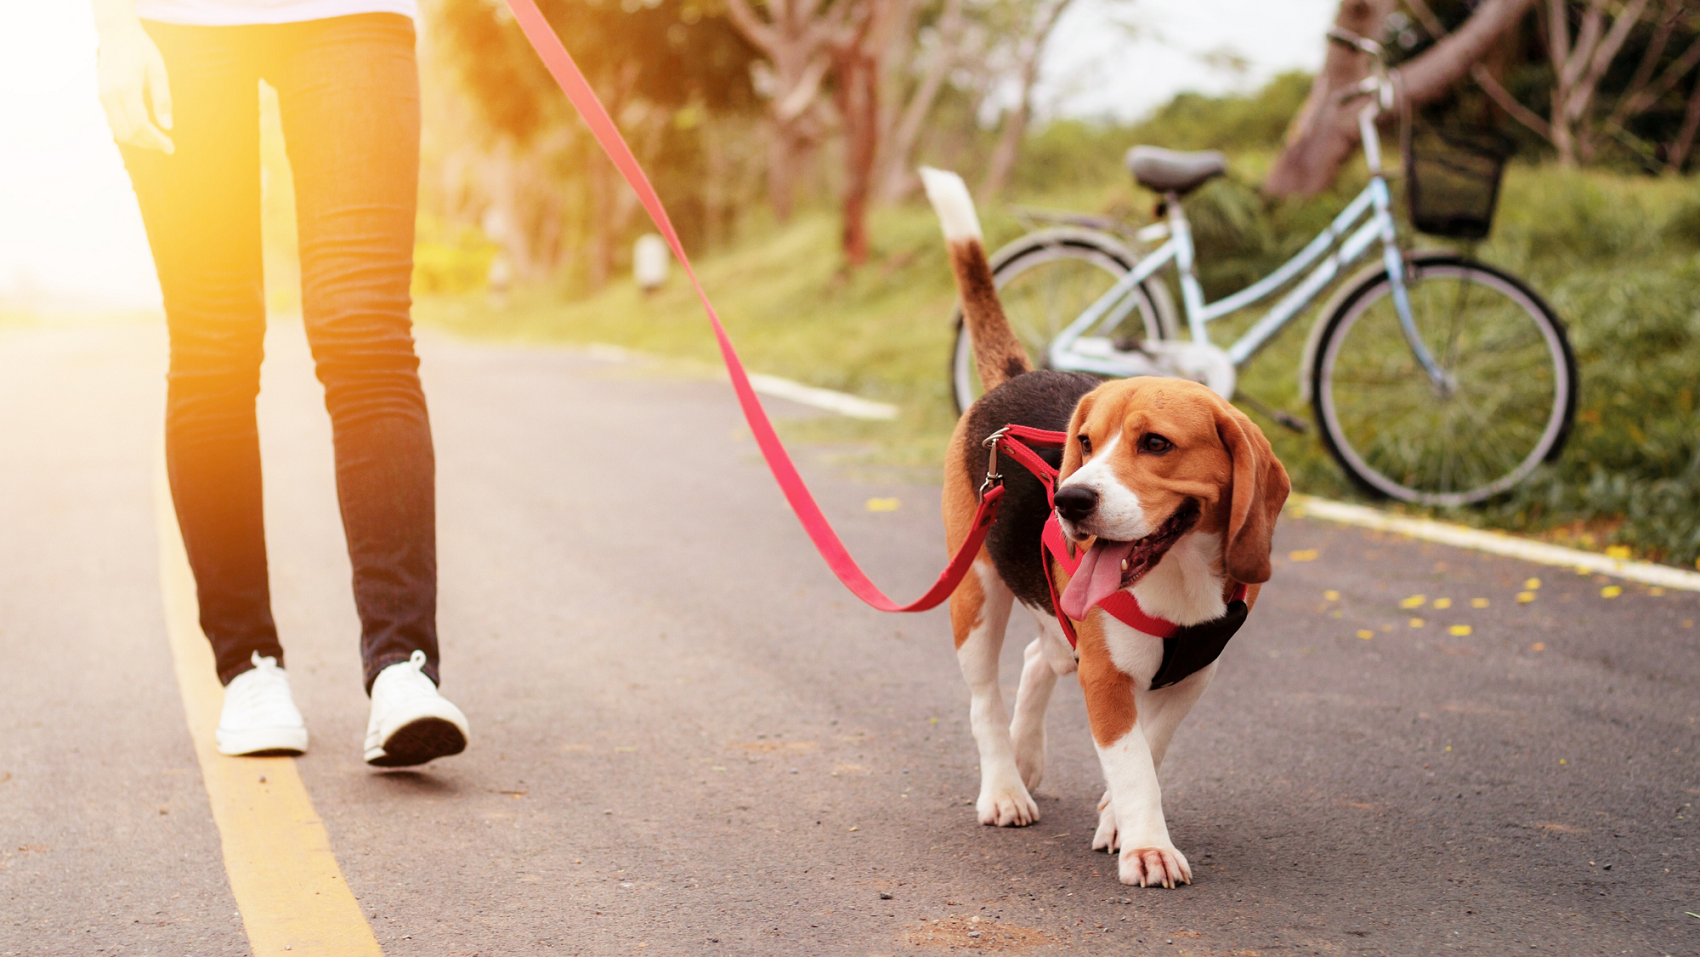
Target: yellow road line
[282, 872]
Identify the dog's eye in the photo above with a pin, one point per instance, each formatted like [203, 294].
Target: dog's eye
[1085, 444]
[1155, 444]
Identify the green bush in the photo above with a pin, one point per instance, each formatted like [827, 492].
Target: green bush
[449, 261]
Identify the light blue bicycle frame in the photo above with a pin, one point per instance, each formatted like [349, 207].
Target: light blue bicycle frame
[1338, 246]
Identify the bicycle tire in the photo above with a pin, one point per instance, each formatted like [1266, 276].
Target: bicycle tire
[1515, 342]
[1032, 251]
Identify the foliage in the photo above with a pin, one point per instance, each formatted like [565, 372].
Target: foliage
[505, 147]
[705, 62]
[450, 260]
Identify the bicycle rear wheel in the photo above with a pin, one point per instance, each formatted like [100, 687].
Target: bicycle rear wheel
[1505, 408]
[1045, 281]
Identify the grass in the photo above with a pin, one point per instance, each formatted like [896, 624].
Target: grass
[1617, 256]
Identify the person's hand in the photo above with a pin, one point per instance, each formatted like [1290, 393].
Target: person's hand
[132, 78]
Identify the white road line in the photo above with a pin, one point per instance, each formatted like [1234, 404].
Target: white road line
[1499, 543]
[843, 403]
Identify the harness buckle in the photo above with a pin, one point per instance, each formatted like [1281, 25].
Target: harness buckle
[994, 478]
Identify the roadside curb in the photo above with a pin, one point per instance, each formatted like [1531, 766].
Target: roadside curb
[1498, 543]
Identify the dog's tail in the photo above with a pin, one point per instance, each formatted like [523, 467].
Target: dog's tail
[997, 352]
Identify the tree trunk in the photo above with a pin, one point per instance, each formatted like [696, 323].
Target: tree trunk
[1008, 149]
[1031, 52]
[898, 180]
[793, 40]
[1678, 153]
[1325, 132]
[857, 95]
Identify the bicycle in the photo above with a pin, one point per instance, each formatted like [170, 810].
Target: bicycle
[1434, 379]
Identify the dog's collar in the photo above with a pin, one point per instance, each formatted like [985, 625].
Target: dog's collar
[1186, 648]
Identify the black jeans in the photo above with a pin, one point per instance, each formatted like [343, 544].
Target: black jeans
[348, 88]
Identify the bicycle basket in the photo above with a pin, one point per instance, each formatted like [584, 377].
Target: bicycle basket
[1452, 180]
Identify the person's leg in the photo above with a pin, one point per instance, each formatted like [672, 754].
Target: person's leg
[349, 92]
[201, 206]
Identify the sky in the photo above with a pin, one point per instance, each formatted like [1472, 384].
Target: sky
[71, 238]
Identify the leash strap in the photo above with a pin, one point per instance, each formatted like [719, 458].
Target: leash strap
[572, 82]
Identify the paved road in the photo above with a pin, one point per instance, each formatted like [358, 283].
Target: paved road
[688, 739]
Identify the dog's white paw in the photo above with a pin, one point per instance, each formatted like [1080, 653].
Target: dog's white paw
[1030, 758]
[1154, 866]
[1106, 838]
[1007, 806]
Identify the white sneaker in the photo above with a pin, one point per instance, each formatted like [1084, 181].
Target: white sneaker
[411, 723]
[259, 715]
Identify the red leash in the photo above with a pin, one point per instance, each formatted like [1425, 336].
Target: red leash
[826, 541]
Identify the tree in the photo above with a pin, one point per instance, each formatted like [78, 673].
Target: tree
[652, 64]
[795, 37]
[1325, 132]
[1034, 21]
[1591, 98]
[944, 51]
[807, 44]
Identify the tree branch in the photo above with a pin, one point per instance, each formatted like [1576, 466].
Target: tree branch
[763, 35]
[1428, 76]
[1603, 54]
[1483, 77]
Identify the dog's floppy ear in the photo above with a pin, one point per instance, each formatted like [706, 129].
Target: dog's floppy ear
[1071, 459]
[1259, 489]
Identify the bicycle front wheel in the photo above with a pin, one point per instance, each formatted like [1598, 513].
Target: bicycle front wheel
[1504, 404]
[1045, 280]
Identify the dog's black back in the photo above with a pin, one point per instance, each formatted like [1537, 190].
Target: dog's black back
[1041, 400]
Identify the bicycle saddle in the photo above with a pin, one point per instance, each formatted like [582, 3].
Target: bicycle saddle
[1169, 171]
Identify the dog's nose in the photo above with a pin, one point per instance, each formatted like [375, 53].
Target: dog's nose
[1076, 502]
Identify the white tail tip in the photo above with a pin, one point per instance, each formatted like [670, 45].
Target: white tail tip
[950, 199]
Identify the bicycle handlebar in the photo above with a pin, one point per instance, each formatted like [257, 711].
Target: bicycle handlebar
[1378, 83]
[1350, 39]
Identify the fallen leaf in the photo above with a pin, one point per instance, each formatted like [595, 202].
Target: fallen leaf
[1443, 603]
[1459, 630]
[1417, 622]
[1524, 597]
[1532, 584]
[1611, 591]
[1618, 551]
[883, 504]
[1415, 601]
[1302, 555]
[1478, 603]
[1365, 634]
[1330, 595]
[1538, 646]
[1655, 591]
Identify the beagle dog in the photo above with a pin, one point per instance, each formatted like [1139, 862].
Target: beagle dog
[1167, 493]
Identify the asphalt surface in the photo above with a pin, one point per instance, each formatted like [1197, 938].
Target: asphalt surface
[689, 739]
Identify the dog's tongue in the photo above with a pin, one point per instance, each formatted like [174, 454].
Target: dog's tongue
[1098, 577]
